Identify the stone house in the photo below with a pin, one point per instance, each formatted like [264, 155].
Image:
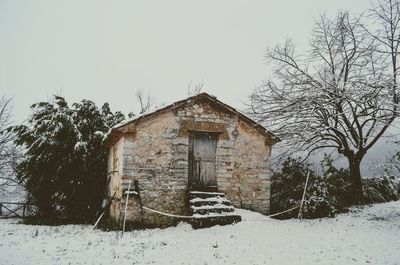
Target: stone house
[195, 146]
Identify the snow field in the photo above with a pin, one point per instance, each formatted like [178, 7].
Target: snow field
[363, 236]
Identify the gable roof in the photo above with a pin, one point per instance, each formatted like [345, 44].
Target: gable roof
[201, 96]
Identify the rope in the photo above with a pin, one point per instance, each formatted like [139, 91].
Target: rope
[168, 214]
[191, 217]
[275, 214]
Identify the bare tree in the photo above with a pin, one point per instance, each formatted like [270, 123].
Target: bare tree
[8, 152]
[195, 89]
[145, 101]
[342, 94]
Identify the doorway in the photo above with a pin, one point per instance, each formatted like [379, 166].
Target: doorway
[202, 157]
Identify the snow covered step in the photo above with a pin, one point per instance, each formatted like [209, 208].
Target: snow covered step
[211, 208]
[210, 201]
[208, 209]
[208, 221]
[214, 215]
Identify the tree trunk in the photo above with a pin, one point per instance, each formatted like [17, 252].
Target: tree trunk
[356, 187]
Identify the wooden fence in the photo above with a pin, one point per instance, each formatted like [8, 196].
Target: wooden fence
[15, 209]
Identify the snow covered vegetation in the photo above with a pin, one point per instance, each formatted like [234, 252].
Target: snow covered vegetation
[65, 159]
[327, 193]
[369, 235]
[9, 155]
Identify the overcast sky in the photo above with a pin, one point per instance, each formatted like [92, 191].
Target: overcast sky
[105, 50]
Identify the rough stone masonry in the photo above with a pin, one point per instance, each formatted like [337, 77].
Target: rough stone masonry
[154, 149]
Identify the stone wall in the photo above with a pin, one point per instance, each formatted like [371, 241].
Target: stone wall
[115, 168]
[157, 158]
[242, 166]
[155, 151]
[247, 184]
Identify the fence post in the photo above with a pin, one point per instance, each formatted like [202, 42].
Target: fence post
[302, 199]
[23, 211]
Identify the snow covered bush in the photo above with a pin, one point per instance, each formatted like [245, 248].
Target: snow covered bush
[287, 190]
[381, 189]
[338, 181]
[287, 186]
[65, 162]
[327, 194]
[318, 203]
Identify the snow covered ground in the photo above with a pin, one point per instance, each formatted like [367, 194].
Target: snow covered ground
[363, 236]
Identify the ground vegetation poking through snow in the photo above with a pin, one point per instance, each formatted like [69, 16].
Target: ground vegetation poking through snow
[370, 235]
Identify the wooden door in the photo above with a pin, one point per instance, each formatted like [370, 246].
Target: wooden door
[202, 149]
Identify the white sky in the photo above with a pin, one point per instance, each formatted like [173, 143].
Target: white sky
[105, 50]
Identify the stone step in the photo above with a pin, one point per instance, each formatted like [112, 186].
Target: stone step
[205, 194]
[208, 221]
[209, 201]
[205, 210]
[211, 208]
